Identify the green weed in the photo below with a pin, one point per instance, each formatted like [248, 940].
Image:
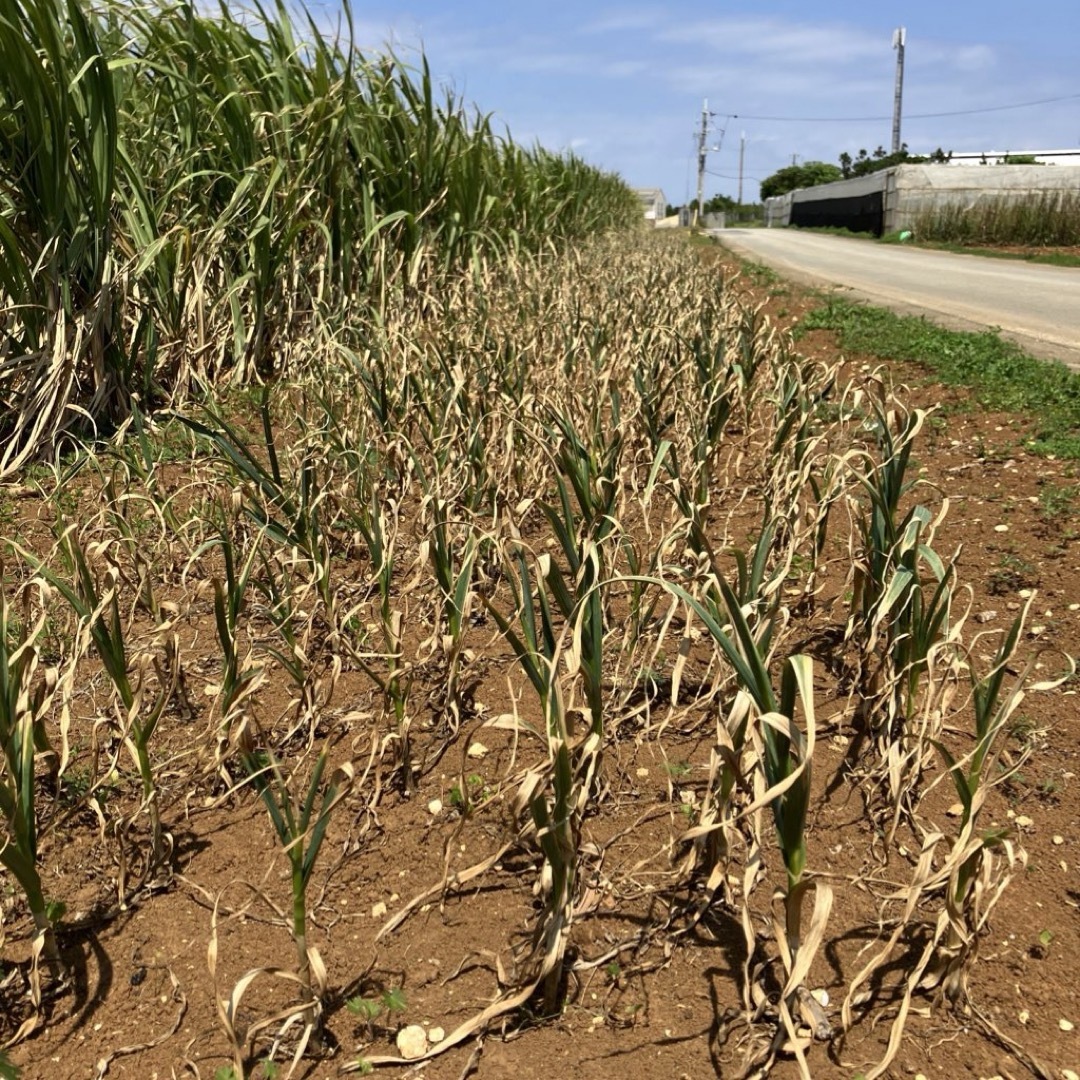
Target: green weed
[1000, 373]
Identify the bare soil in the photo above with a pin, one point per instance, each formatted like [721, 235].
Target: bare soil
[141, 976]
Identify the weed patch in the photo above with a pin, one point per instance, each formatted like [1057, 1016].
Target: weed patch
[1002, 376]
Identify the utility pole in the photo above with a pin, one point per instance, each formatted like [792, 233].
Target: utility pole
[702, 151]
[899, 40]
[742, 156]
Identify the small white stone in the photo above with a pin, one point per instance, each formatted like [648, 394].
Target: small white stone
[478, 750]
[1024, 822]
[1024, 594]
[643, 772]
[378, 910]
[821, 997]
[1024, 1016]
[1059, 840]
[955, 810]
[1037, 630]
[1001, 528]
[412, 1042]
[1066, 1025]
[436, 1035]
[435, 807]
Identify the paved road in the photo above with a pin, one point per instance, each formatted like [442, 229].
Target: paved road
[1038, 306]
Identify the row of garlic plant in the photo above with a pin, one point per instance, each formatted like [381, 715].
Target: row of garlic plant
[541, 479]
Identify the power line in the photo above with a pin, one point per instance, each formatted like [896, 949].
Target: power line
[909, 116]
[732, 176]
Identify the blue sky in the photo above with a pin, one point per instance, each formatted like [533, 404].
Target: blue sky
[622, 84]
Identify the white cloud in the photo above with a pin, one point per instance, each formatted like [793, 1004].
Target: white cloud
[801, 43]
[623, 21]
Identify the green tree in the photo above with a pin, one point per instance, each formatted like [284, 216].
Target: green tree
[808, 174]
[865, 163]
[720, 204]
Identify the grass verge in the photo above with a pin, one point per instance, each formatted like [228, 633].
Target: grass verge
[1045, 256]
[999, 372]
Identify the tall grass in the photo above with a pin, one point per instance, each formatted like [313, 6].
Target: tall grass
[1049, 219]
[185, 195]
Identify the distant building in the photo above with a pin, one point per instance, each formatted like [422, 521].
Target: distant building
[653, 203]
[1001, 157]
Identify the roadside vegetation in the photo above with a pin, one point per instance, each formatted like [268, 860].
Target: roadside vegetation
[1002, 376]
[1039, 255]
[1047, 220]
[1047, 256]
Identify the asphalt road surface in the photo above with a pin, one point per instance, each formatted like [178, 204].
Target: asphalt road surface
[1037, 306]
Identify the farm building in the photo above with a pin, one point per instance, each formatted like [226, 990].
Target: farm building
[892, 199]
[653, 203]
[1003, 157]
